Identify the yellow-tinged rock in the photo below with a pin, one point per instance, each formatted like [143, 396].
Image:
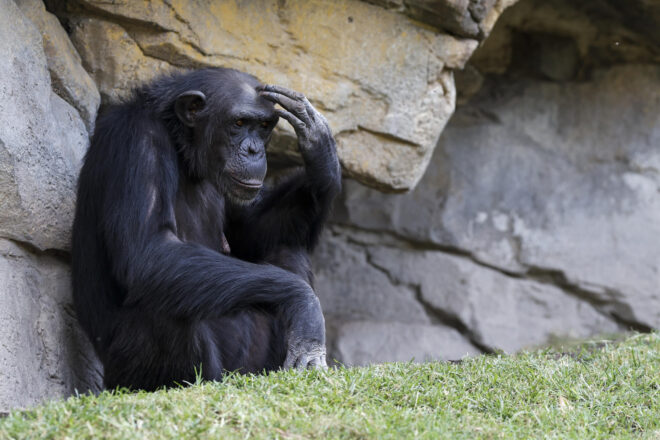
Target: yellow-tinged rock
[113, 58]
[383, 81]
[69, 78]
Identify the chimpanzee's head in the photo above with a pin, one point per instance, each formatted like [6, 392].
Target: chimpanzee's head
[229, 126]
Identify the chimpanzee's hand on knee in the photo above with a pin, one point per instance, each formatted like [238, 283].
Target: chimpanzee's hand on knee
[306, 337]
[311, 126]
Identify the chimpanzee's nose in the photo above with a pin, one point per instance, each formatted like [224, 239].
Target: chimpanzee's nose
[252, 149]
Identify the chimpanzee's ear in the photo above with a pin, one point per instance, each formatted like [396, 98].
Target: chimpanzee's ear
[187, 105]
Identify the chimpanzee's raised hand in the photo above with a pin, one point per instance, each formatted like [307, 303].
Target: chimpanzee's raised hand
[311, 127]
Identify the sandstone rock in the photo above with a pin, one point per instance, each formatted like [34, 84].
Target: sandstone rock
[43, 352]
[42, 140]
[501, 312]
[387, 92]
[112, 58]
[559, 180]
[549, 191]
[582, 190]
[641, 15]
[364, 277]
[351, 289]
[69, 79]
[465, 18]
[468, 82]
[364, 343]
[604, 33]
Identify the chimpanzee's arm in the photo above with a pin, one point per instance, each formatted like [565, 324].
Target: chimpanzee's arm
[293, 213]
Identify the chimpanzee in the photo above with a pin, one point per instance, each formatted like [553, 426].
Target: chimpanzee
[185, 262]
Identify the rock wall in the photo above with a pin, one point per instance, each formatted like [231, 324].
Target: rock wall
[383, 81]
[538, 217]
[43, 137]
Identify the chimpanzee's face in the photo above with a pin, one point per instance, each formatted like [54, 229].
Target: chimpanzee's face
[230, 134]
[241, 138]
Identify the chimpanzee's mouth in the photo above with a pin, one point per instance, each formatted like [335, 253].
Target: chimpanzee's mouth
[249, 184]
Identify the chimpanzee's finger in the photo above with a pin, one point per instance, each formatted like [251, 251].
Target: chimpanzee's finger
[292, 105]
[302, 362]
[298, 125]
[311, 111]
[282, 91]
[290, 360]
[318, 363]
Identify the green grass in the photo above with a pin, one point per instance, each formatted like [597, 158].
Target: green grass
[597, 390]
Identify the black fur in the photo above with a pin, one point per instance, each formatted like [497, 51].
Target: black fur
[156, 288]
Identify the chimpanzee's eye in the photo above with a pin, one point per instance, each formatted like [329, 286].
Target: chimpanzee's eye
[239, 122]
[264, 124]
